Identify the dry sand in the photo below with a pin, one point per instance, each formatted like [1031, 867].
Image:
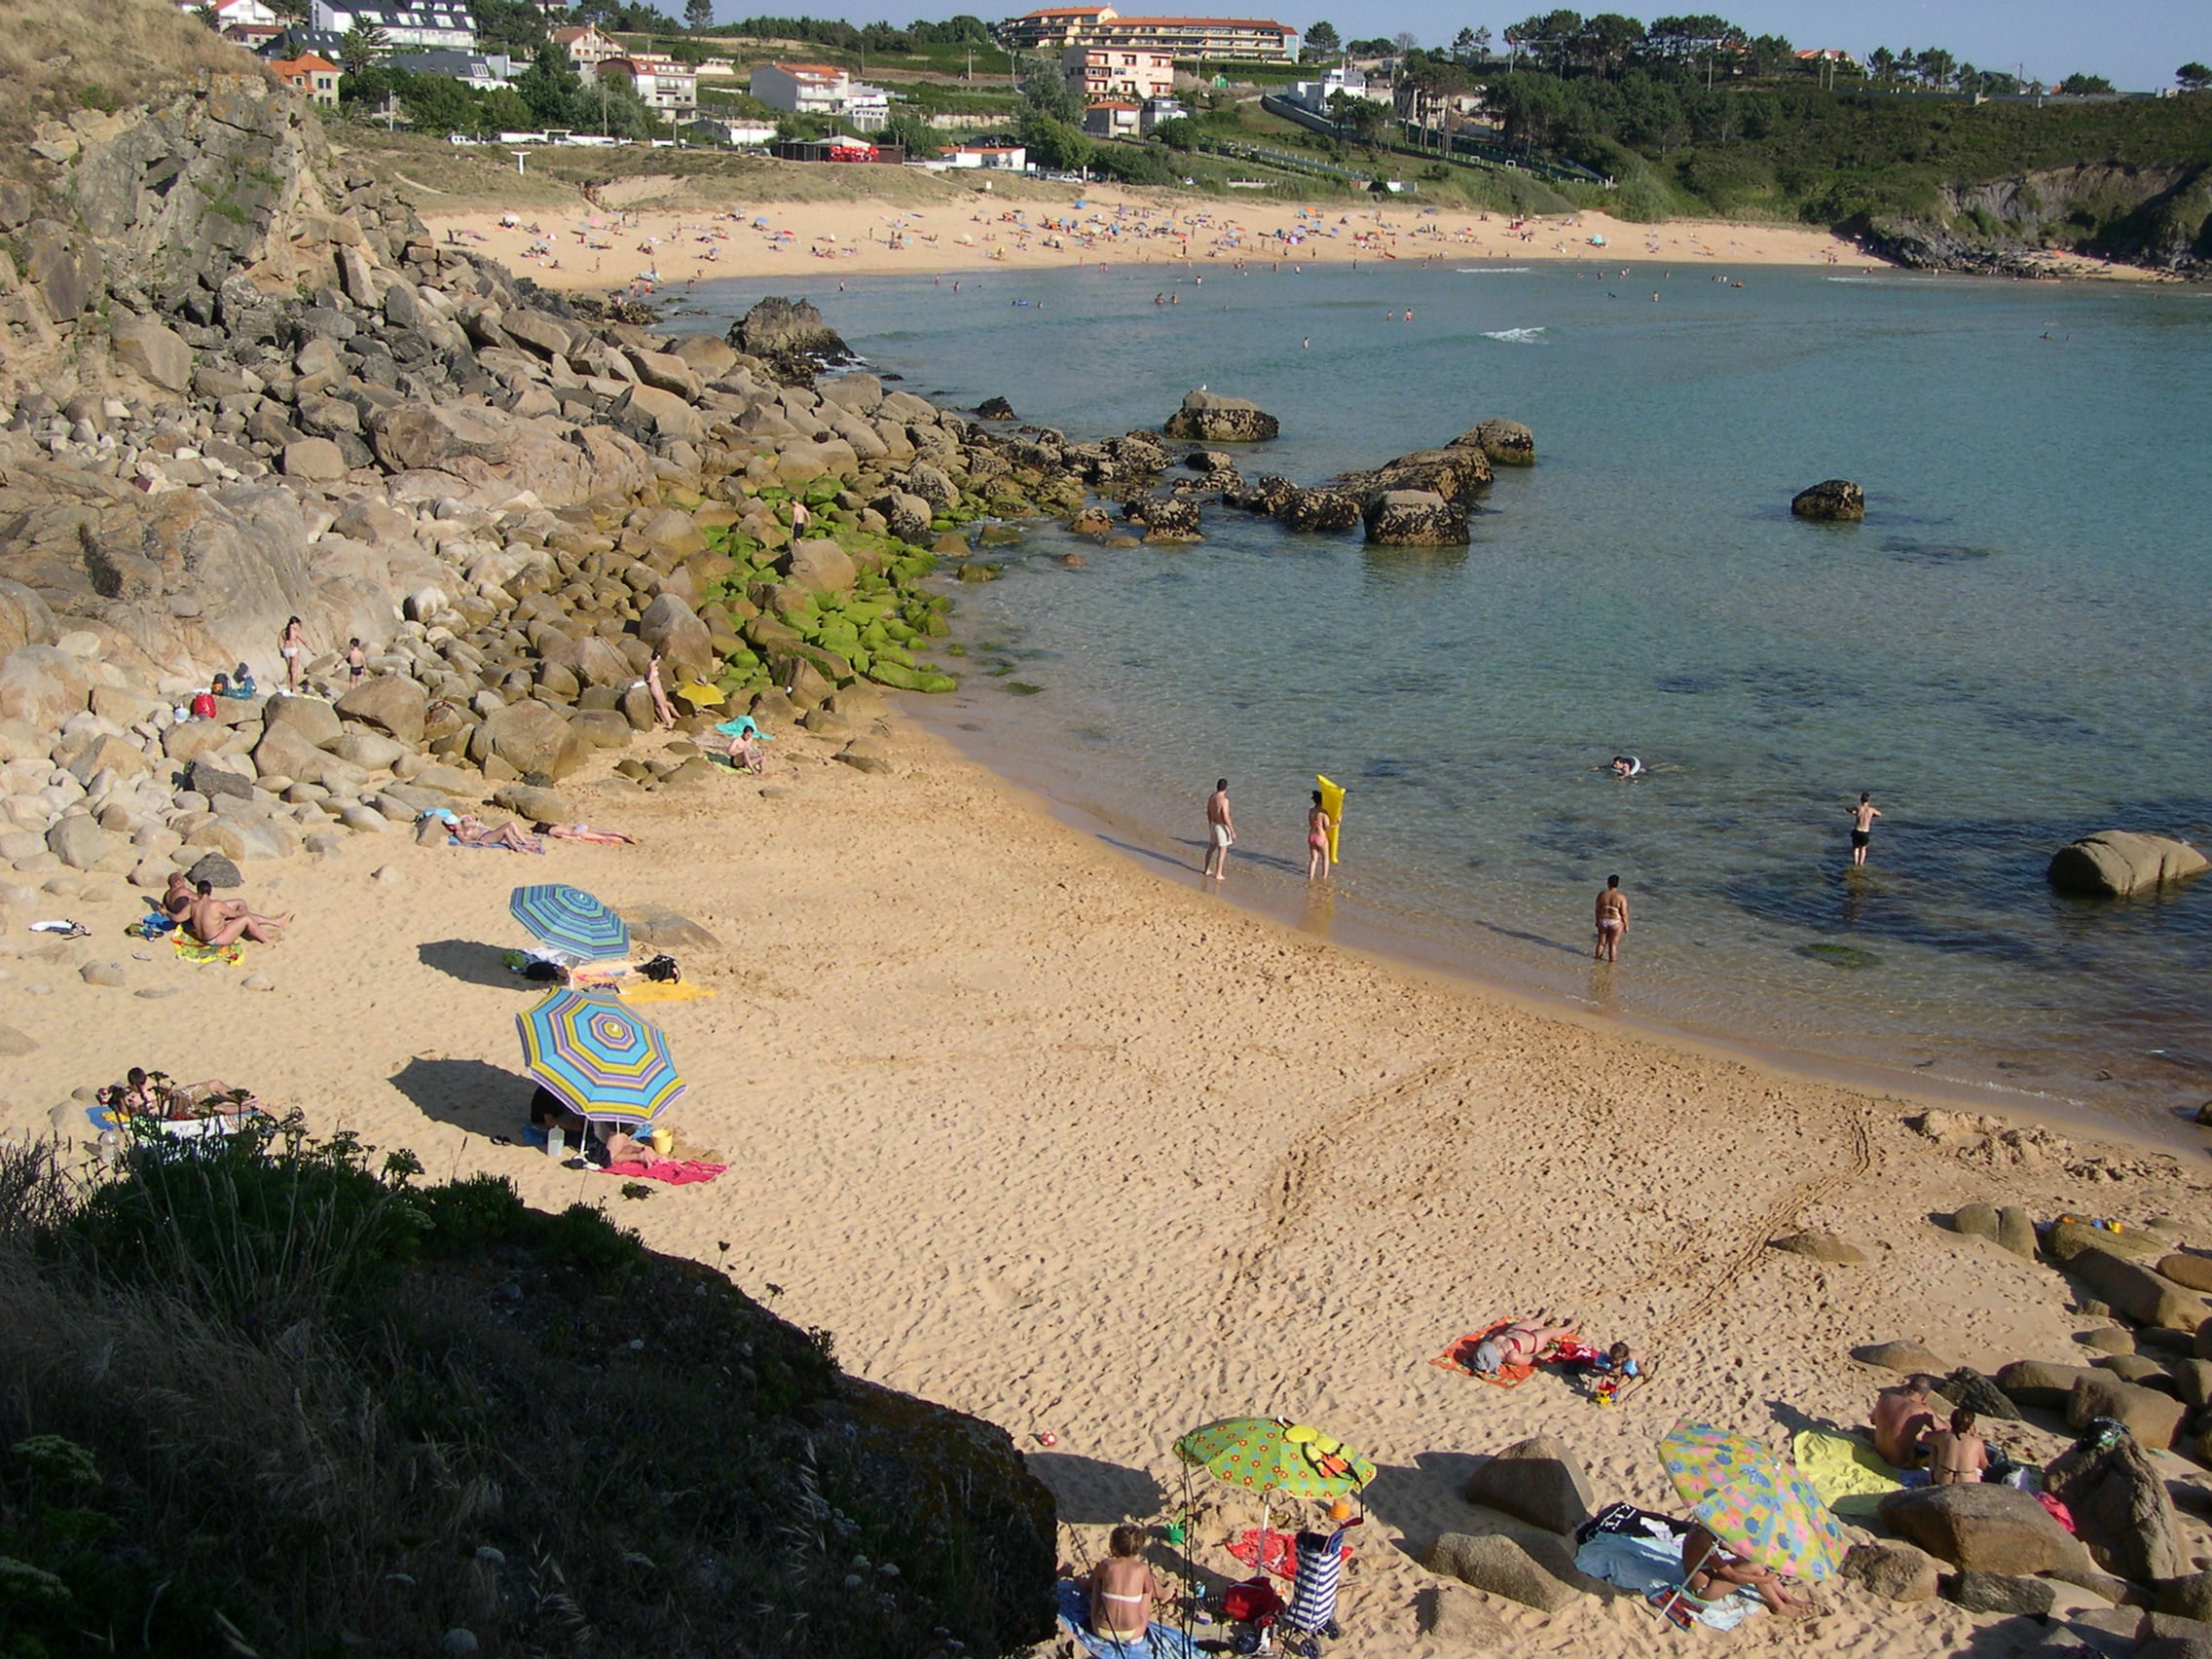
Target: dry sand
[973, 228]
[1070, 1143]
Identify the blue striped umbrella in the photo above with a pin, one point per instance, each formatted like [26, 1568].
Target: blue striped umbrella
[570, 920]
[598, 1056]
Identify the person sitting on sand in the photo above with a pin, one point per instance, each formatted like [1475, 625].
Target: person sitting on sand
[469, 830]
[1517, 1343]
[1710, 1570]
[1901, 1423]
[1957, 1455]
[134, 1097]
[217, 922]
[746, 753]
[1121, 1591]
[1614, 1369]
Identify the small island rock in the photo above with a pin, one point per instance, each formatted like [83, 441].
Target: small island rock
[1838, 500]
[1210, 417]
[2115, 863]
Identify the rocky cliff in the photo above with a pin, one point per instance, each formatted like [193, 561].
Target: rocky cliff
[2159, 217]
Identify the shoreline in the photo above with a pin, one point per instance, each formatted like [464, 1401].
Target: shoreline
[1373, 936]
[632, 239]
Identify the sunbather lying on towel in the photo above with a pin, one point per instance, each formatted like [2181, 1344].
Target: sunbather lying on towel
[469, 830]
[585, 833]
[1517, 1343]
[1710, 1570]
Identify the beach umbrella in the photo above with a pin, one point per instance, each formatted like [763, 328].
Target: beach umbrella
[569, 920]
[1752, 1500]
[1273, 1455]
[701, 695]
[597, 1056]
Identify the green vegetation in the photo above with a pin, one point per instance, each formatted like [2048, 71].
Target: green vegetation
[274, 1395]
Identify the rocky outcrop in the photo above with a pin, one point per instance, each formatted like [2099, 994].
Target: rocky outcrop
[1209, 417]
[2117, 863]
[1456, 473]
[790, 337]
[1506, 443]
[1984, 1528]
[1837, 502]
[1540, 1481]
[2121, 1509]
[1524, 1564]
[2157, 216]
[1415, 518]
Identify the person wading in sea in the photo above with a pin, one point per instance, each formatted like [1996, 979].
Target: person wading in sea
[1862, 818]
[1612, 921]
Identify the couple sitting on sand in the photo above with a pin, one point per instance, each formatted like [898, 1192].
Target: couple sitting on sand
[150, 1095]
[214, 921]
[1907, 1436]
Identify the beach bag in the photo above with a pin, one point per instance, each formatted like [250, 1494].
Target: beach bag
[661, 967]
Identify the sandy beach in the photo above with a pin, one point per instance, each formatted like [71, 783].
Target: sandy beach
[1067, 1142]
[624, 238]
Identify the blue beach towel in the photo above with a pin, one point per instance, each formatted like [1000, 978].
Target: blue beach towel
[1159, 1640]
[1625, 1550]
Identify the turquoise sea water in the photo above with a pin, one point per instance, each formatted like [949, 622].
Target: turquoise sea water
[2010, 651]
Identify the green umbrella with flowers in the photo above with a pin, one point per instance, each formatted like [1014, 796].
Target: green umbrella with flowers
[1273, 1455]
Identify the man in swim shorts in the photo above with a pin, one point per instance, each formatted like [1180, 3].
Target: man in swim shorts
[1221, 833]
[1612, 921]
[1862, 818]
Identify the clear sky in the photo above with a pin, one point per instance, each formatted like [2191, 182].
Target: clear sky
[2135, 44]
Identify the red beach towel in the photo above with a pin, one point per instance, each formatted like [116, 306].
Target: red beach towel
[684, 1172]
[1456, 1355]
[1282, 1551]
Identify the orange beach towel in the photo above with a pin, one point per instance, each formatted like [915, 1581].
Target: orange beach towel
[1457, 1355]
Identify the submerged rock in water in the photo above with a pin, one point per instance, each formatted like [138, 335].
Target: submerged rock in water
[789, 337]
[2114, 864]
[1415, 518]
[1507, 443]
[1838, 500]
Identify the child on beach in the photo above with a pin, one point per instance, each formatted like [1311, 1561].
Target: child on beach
[1612, 1370]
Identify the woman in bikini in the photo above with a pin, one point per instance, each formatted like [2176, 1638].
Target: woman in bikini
[291, 644]
[1318, 824]
[1710, 1572]
[1122, 1590]
[664, 712]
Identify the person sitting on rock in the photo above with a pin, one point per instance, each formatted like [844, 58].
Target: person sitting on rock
[1957, 1455]
[241, 684]
[1901, 1422]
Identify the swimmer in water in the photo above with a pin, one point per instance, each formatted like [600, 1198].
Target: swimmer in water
[1625, 766]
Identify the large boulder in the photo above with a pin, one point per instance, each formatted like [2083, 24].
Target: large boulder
[1507, 443]
[1452, 473]
[1898, 1573]
[1531, 1567]
[2150, 1415]
[1984, 1528]
[2037, 1382]
[789, 337]
[1415, 518]
[2115, 863]
[390, 703]
[1838, 501]
[1318, 508]
[669, 626]
[310, 717]
[818, 565]
[1539, 1481]
[2119, 1506]
[79, 842]
[151, 350]
[25, 619]
[1209, 417]
[2138, 1291]
[2002, 1593]
[1909, 1357]
[664, 414]
[532, 737]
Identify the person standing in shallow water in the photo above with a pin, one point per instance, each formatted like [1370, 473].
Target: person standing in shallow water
[1862, 818]
[1221, 833]
[1612, 921]
[1318, 826]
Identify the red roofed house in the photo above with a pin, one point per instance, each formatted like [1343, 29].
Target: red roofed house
[317, 77]
[587, 48]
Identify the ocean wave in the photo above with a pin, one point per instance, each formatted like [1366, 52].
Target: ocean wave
[1516, 336]
[1493, 269]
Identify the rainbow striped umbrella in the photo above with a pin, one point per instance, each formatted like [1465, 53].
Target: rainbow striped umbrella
[598, 1056]
[569, 920]
[1752, 1500]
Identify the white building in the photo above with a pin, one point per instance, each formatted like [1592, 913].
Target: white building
[1314, 95]
[253, 12]
[1010, 158]
[1099, 72]
[742, 135]
[667, 88]
[486, 72]
[817, 88]
[421, 25]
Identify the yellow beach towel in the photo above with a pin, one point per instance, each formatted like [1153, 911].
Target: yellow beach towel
[1845, 1470]
[192, 950]
[658, 991]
